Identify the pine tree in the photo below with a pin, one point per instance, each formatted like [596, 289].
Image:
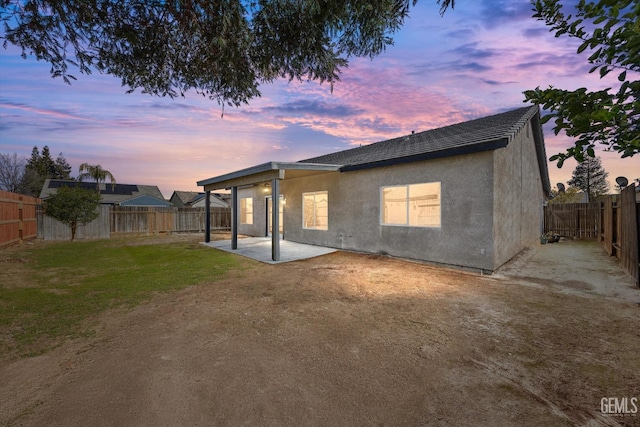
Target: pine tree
[41, 167]
[62, 168]
[47, 167]
[31, 182]
[590, 177]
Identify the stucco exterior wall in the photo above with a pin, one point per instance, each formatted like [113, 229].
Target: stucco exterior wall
[464, 238]
[259, 226]
[518, 197]
[491, 207]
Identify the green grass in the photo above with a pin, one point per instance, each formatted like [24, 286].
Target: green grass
[46, 296]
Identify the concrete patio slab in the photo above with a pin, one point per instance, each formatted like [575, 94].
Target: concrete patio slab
[259, 248]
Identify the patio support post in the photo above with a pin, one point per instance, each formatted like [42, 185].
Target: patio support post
[207, 218]
[234, 217]
[275, 221]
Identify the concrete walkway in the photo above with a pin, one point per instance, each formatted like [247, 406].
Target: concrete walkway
[259, 248]
[572, 266]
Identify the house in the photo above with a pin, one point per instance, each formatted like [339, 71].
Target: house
[113, 194]
[468, 195]
[194, 199]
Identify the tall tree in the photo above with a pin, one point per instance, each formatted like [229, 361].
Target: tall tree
[96, 173]
[222, 49]
[62, 168]
[73, 206]
[35, 172]
[41, 167]
[590, 177]
[46, 165]
[609, 31]
[11, 170]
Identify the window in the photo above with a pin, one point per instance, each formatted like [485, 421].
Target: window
[246, 210]
[315, 210]
[415, 205]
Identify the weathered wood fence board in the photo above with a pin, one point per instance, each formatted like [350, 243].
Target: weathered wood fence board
[193, 219]
[131, 219]
[52, 229]
[628, 225]
[137, 220]
[17, 218]
[608, 228]
[578, 220]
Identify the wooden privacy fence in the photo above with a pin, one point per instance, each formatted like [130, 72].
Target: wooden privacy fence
[52, 229]
[137, 220]
[621, 230]
[17, 218]
[615, 222]
[131, 219]
[577, 220]
[193, 219]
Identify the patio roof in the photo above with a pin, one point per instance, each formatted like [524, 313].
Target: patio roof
[266, 172]
[270, 171]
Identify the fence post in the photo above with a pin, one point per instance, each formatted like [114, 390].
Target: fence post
[21, 219]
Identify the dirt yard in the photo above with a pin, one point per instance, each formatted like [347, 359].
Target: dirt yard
[349, 339]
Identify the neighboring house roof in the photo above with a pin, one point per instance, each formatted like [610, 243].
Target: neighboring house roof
[110, 194]
[186, 199]
[146, 201]
[216, 201]
[483, 134]
[181, 199]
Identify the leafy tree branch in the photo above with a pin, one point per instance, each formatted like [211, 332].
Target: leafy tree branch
[610, 30]
[222, 49]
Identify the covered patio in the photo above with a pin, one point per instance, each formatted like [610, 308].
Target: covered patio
[270, 173]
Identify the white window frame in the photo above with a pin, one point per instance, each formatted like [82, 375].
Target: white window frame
[246, 216]
[315, 226]
[407, 220]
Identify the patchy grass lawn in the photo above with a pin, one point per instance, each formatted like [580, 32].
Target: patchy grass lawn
[342, 339]
[48, 290]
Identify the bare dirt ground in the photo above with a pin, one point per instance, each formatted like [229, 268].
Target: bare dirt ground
[350, 339]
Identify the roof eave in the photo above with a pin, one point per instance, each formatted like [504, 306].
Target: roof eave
[541, 154]
[262, 171]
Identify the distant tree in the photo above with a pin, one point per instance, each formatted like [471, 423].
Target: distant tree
[96, 173]
[41, 167]
[220, 49]
[62, 168]
[11, 170]
[46, 165]
[590, 177]
[608, 29]
[35, 172]
[570, 195]
[73, 206]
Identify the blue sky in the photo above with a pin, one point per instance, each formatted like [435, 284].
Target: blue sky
[475, 61]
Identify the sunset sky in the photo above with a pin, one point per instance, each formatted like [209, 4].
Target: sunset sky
[475, 61]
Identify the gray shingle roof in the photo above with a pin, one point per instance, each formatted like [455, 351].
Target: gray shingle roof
[187, 196]
[487, 133]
